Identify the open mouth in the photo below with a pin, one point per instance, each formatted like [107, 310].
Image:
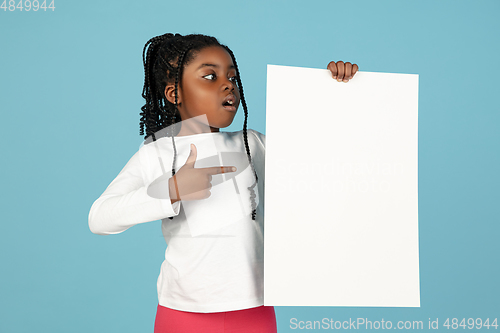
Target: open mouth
[229, 103]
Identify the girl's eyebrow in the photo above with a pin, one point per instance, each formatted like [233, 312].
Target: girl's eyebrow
[213, 65]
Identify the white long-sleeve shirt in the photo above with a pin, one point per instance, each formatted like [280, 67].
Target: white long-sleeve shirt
[214, 258]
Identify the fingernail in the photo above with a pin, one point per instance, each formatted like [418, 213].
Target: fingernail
[233, 169]
[334, 77]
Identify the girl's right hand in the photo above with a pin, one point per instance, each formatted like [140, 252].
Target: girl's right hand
[341, 71]
[190, 183]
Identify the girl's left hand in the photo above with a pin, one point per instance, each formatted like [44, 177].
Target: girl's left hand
[342, 71]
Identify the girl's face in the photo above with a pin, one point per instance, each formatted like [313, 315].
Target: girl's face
[207, 83]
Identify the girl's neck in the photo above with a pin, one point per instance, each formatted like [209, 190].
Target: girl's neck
[196, 125]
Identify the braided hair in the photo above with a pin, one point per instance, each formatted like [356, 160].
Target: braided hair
[164, 61]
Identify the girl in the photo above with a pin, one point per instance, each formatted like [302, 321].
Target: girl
[212, 277]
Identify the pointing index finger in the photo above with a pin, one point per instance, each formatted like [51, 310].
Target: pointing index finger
[219, 170]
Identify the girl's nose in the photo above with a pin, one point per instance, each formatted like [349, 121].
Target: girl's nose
[228, 84]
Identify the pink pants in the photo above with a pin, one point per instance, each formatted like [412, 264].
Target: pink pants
[261, 319]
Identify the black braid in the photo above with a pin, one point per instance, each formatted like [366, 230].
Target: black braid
[149, 92]
[165, 59]
[177, 80]
[243, 102]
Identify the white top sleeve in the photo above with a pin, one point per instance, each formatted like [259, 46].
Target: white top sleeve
[125, 202]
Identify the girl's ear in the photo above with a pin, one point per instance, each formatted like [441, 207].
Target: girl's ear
[170, 94]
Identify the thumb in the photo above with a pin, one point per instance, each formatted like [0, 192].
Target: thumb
[192, 156]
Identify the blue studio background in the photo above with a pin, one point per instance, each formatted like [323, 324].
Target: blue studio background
[70, 87]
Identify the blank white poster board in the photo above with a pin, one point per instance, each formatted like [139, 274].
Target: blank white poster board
[341, 196]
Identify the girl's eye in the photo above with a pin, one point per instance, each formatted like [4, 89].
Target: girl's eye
[232, 79]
